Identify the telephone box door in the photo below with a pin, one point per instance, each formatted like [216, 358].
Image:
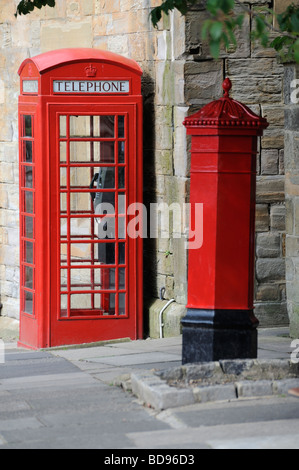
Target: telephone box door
[93, 180]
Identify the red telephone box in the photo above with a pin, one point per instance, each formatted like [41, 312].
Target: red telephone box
[80, 126]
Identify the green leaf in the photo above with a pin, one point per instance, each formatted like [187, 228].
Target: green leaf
[205, 28]
[156, 15]
[231, 34]
[213, 6]
[277, 43]
[216, 30]
[27, 6]
[239, 20]
[215, 49]
[227, 5]
[296, 51]
[295, 22]
[260, 25]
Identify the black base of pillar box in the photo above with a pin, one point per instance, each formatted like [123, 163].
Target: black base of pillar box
[212, 335]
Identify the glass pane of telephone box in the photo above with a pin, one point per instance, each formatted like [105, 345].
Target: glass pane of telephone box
[108, 304]
[121, 177]
[63, 152]
[121, 152]
[93, 279]
[86, 151]
[92, 126]
[28, 202]
[121, 127]
[28, 277]
[122, 304]
[29, 227]
[28, 151]
[28, 302]
[121, 253]
[104, 177]
[122, 278]
[81, 203]
[62, 126]
[28, 252]
[81, 301]
[28, 176]
[28, 126]
[85, 254]
[64, 279]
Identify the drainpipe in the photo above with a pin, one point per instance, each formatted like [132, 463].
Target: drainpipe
[161, 324]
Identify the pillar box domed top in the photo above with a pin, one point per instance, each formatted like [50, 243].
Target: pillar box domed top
[226, 113]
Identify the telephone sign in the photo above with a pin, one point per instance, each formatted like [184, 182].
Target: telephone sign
[80, 125]
[95, 86]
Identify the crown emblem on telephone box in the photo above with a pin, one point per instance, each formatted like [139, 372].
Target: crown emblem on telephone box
[91, 71]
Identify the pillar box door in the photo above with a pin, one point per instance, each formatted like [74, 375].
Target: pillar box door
[80, 114]
[220, 321]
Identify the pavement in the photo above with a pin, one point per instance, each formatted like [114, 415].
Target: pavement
[137, 395]
[153, 371]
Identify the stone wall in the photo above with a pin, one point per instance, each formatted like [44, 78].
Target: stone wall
[124, 27]
[178, 74]
[291, 93]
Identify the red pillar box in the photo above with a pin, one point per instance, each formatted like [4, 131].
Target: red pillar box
[220, 321]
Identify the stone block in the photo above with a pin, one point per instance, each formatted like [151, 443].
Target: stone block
[289, 216]
[291, 184]
[70, 34]
[118, 44]
[163, 162]
[248, 388]
[291, 151]
[274, 115]
[265, 67]
[180, 154]
[272, 314]
[281, 162]
[269, 162]
[292, 118]
[268, 245]
[180, 270]
[236, 367]
[203, 81]
[262, 219]
[278, 217]
[163, 127]
[195, 372]
[281, 387]
[273, 139]
[214, 393]
[294, 319]
[292, 246]
[270, 270]
[270, 189]
[268, 293]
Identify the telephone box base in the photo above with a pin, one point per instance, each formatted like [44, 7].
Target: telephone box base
[213, 335]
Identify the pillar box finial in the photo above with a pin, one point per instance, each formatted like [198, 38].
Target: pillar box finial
[227, 86]
[220, 321]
